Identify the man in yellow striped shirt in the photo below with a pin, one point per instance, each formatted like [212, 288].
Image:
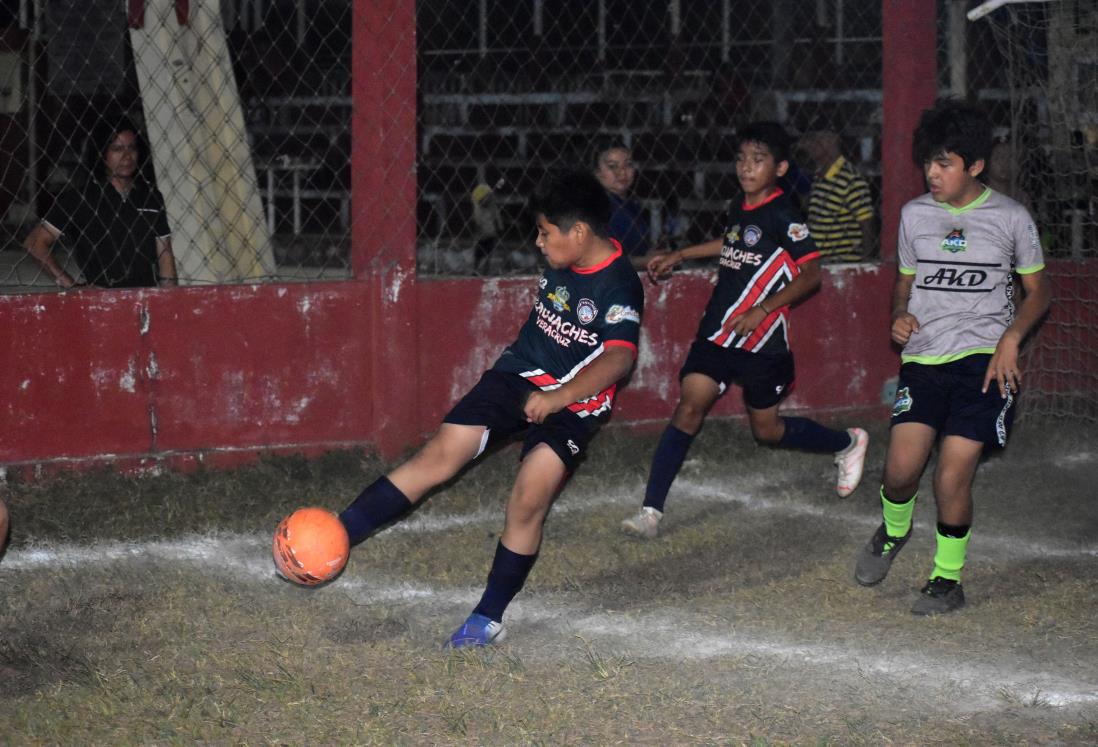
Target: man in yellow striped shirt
[840, 209]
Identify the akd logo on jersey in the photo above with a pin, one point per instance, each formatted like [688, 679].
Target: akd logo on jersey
[572, 447]
[798, 231]
[586, 311]
[544, 281]
[618, 313]
[955, 241]
[751, 235]
[560, 297]
[903, 402]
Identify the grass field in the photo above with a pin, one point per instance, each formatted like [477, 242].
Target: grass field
[146, 610]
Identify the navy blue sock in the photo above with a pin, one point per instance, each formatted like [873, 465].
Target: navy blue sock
[375, 507]
[505, 580]
[666, 463]
[808, 435]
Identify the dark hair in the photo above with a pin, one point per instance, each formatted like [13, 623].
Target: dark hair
[573, 197]
[102, 135]
[770, 134]
[604, 144]
[953, 126]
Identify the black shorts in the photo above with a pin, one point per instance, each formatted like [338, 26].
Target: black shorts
[947, 397]
[496, 402]
[765, 378]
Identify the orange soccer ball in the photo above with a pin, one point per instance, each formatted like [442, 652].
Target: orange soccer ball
[310, 546]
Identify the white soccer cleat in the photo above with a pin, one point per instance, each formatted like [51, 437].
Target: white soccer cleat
[645, 524]
[851, 462]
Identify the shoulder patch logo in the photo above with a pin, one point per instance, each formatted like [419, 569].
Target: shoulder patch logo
[751, 235]
[559, 298]
[618, 313]
[586, 311]
[798, 231]
[955, 241]
[903, 402]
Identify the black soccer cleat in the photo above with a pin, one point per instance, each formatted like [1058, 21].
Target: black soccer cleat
[940, 595]
[876, 557]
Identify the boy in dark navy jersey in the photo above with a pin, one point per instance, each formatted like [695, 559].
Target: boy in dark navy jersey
[556, 383]
[768, 261]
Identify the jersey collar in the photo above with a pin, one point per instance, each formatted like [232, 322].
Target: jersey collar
[834, 168]
[777, 193]
[600, 265]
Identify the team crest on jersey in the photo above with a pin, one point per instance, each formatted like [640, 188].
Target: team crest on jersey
[798, 231]
[903, 402]
[586, 311]
[751, 235]
[559, 298]
[618, 313]
[734, 235]
[955, 241]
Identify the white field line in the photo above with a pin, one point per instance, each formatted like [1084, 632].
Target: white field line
[651, 636]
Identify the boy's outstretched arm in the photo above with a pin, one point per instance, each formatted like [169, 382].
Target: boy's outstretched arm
[1003, 366]
[903, 324]
[802, 286]
[661, 265]
[605, 370]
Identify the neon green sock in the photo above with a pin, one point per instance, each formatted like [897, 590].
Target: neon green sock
[897, 516]
[950, 556]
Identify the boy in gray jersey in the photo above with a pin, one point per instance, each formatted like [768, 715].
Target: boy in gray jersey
[954, 315]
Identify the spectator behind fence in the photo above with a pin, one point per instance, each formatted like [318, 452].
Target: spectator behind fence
[616, 172]
[114, 221]
[1001, 173]
[486, 217]
[840, 210]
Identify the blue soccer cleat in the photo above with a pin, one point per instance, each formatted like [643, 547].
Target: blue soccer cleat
[477, 630]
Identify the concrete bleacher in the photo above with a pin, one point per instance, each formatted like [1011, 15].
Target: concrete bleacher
[527, 135]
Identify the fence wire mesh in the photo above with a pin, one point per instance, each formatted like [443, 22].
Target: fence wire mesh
[1047, 158]
[242, 113]
[511, 92]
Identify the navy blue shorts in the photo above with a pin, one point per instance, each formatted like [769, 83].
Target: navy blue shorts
[496, 402]
[765, 378]
[947, 397]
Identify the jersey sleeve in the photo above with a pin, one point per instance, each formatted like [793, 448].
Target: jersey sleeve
[1028, 256]
[62, 214]
[162, 228]
[797, 239]
[858, 200]
[905, 249]
[622, 318]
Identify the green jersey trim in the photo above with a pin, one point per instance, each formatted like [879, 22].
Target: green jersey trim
[907, 270]
[970, 206]
[1029, 270]
[935, 360]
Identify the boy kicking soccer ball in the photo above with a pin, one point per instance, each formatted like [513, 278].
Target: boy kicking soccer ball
[556, 383]
[953, 313]
[767, 263]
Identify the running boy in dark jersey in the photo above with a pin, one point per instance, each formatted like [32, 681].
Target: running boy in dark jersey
[767, 262]
[953, 313]
[556, 383]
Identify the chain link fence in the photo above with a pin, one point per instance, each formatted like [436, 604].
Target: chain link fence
[245, 114]
[241, 110]
[511, 92]
[1044, 65]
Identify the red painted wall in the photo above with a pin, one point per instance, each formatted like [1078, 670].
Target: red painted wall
[223, 373]
[840, 341]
